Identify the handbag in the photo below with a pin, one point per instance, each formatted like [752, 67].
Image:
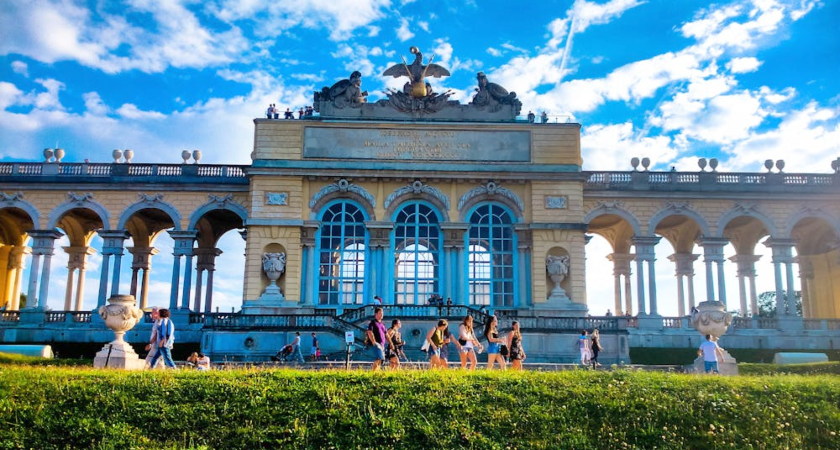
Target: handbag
[425, 346]
[503, 350]
[462, 341]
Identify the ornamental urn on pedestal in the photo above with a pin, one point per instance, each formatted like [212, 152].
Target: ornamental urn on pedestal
[120, 316]
[711, 318]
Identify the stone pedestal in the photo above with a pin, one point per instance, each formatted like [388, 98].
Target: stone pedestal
[118, 355]
[726, 367]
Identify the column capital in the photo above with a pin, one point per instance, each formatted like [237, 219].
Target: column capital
[746, 264]
[207, 258]
[142, 257]
[806, 267]
[77, 256]
[712, 248]
[184, 240]
[114, 239]
[621, 263]
[645, 247]
[782, 249]
[380, 233]
[684, 263]
[308, 231]
[44, 240]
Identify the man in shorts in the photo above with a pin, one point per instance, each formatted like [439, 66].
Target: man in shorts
[710, 352]
[378, 337]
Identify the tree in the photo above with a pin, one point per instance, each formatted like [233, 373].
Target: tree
[767, 303]
[22, 300]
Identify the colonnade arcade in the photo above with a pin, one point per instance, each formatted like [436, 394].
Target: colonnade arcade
[804, 248]
[80, 220]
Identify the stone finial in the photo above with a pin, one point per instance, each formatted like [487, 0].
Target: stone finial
[634, 161]
[768, 164]
[702, 163]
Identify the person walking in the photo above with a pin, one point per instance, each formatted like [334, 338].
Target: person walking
[517, 353]
[378, 337]
[165, 340]
[596, 348]
[436, 340]
[313, 351]
[296, 352]
[468, 342]
[494, 344]
[711, 353]
[583, 344]
[444, 350]
[395, 343]
[155, 315]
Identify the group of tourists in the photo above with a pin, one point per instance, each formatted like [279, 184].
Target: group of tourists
[590, 347]
[274, 113]
[387, 344]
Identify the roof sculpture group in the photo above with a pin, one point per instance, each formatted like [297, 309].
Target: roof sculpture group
[417, 99]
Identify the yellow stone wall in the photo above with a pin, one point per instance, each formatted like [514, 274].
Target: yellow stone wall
[260, 240]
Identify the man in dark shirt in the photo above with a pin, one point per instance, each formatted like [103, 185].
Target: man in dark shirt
[378, 336]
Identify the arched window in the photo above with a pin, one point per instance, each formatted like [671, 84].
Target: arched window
[491, 250]
[342, 248]
[417, 242]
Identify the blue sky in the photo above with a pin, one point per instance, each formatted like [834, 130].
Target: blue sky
[741, 80]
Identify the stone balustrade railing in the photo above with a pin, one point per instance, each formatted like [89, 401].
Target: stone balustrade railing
[99, 172]
[708, 181]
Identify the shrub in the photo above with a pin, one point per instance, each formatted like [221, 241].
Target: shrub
[45, 408]
[790, 369]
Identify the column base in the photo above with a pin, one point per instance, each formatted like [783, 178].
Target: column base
[118, 355]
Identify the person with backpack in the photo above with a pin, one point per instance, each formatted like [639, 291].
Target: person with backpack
[395, 343]
[165, 336]
[435, 341]
[583, 345]
[377, 336]
[468, 343]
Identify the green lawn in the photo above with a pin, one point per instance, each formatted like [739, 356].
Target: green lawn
[49, 407]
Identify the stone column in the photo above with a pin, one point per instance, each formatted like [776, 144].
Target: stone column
[713, 253]
[379, 233]
[684, 265]
[184, 240]
[76, 263]
[16, 266]
[206, 263]
[141, 264]
[113, 246]
[524, 243]
[454, 235]
[782, 254]
[645, 252]
[621, 268]
[310, 268]
[806, 280]
[5, 275]
[43, 245]
[746, 271]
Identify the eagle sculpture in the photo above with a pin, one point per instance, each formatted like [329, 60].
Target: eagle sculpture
[417, 72]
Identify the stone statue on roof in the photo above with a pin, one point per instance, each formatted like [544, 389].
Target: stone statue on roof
[491, 94]
[347, 92]
[417, 72]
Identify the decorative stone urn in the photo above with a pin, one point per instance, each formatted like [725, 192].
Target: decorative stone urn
[120, 316]
[117, 154]
[185, 155]
[129, 154]
[274, 264]
[557, 268]
[711, 317]
[59, 154]
[196, 154]
[48, 154]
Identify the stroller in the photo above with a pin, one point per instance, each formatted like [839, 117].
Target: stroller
[284, 353]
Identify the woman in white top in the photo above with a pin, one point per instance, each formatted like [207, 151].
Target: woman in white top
[468, 342]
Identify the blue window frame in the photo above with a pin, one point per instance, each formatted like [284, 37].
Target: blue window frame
[342, 245]
[491, 249]
[417, 243]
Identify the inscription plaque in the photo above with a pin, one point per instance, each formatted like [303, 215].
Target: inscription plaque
[417, 144]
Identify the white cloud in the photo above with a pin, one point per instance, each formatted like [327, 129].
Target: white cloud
[403, 33]
[811, 133]
[591, 13]
[94, 104]
[423, 25]
[131, 111]
[743, 65]
[9, 95]
[493, 52]
[610, 147]
[20, 67]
